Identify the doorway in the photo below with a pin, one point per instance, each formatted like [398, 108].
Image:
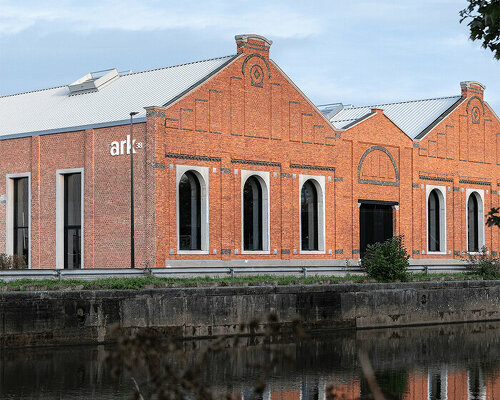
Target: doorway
[375, 222]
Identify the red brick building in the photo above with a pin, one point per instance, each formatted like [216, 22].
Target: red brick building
[232, 162]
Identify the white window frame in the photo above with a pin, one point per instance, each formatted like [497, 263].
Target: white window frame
[9, 217]
[443, 372]
[442, 218]
[202, 175]
[481, 224]
[60, 215]
[319, 183]
[263, 178]
[482, 395]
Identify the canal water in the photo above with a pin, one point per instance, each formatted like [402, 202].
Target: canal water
[436, 362]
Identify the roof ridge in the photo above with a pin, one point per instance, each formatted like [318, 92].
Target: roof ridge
[178, 65]
[403, 102]
[132, 73]
[31, 91]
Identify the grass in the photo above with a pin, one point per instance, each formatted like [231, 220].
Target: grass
[156, 282]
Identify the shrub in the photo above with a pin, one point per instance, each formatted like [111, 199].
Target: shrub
[387, 261]
[483, 264]
[12, 262]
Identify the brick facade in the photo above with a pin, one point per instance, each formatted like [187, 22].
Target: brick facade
[249, 116]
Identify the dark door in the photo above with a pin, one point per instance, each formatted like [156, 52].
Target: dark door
[375, 224]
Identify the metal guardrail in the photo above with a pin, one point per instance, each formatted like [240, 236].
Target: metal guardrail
[91, 274]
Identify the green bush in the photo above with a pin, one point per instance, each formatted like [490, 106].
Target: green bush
[483, 264]
[387, 261]
[12, 262]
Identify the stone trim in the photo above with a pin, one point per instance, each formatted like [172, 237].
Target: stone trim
[376, 181]
[285, 175]
[415, 252]
[356, 251]
[315, 167]
[285, 251]
[339, 251]
[435, 178]
[338, 179]
[259, 56]
[192, 157]
[225, 251]
[153, 114]
[482, 183]
[253, 162]
[456, 189]
[456, 252]
[474, 97]
[159, 165]
[225, 170]
[415, 185]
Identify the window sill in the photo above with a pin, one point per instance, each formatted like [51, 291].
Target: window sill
[255, 252]
[437, 253]
[312, 252]
[191, 252]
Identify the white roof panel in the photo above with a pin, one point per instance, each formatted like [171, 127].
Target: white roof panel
[412, 117]
[55, 109]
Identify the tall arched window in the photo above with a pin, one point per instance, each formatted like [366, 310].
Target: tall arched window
[189, 212]
[433, 219]
[252, 215]
[309, 216]
[474, 228]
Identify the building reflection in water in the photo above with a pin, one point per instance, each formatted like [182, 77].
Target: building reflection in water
[459, 362]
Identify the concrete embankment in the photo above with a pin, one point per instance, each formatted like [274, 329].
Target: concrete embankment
[67, 317]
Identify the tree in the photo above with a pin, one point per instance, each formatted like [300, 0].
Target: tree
[493, 218]
[484, 23]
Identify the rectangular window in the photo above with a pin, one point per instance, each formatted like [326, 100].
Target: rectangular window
[72, 221]
[21, 218]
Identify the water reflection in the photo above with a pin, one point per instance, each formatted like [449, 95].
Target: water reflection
[439, 362]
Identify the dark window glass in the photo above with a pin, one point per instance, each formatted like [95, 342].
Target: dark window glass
[375, 224]
[72, 221]
[189, 212]
[252, 214]
[473, 223]
[437, 389]
[433, 222]
[309, 216]
[21, 218]
[476, 384]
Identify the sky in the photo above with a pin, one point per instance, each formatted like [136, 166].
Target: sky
[361, 52]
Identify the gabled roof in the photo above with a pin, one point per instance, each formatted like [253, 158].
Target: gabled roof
[414, 118]
[57, 110]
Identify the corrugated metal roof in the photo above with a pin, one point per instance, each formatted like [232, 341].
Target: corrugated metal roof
[412, 117]
[55, 109]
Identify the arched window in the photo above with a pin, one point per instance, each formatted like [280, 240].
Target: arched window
[473, 223]
[309, 216]
[475, 220]
[189, 212]
[434, 221]
[252, 215]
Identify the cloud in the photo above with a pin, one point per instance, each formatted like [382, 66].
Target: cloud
[276, 20]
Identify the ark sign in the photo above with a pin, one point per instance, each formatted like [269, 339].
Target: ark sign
[124, 146]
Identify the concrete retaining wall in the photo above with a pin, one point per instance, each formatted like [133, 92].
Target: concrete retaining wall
[29, 318]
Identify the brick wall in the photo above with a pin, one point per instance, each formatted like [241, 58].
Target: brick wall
[271, 125]
[106, 187]
[250, 117]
